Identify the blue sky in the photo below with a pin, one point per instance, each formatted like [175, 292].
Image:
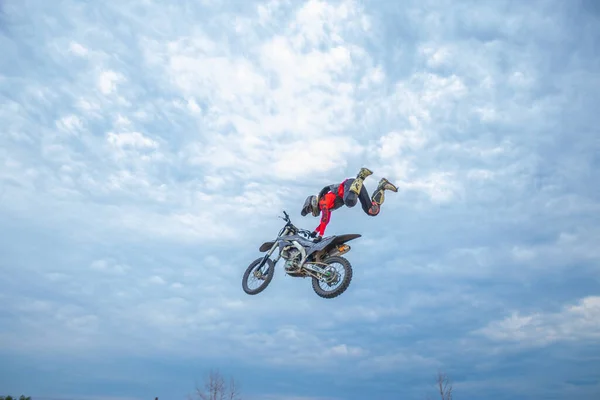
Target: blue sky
[146, 149]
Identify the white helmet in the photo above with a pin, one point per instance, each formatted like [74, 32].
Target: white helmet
[311, 205]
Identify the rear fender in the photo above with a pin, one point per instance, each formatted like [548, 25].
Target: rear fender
[329, 244]
[343, 239]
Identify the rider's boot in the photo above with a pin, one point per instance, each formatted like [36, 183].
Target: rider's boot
[356, 186]
[364, 172]
[378, 196]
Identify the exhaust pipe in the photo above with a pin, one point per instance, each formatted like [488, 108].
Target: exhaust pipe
[339, 250]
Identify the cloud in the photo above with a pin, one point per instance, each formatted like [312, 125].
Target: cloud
[108, 81]
[397, 361]
[573, 323]
[70, 124]
[297, 104]
[132, 139]
[78, 49]
[109, 266]
[146, 150]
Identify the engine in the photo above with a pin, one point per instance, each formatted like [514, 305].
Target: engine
[292, 256]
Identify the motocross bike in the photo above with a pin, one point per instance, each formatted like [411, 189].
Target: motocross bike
[304, 257]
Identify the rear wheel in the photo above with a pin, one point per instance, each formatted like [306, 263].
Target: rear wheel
[263, 275]
[340, 275]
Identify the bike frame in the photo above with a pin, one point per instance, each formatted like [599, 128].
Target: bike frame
[284, 239]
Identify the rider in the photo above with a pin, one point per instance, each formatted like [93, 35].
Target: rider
[346, 193]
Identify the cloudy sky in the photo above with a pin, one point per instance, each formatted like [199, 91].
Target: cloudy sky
[147, 147]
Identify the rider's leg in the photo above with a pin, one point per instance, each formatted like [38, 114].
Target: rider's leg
[358, 182]
[371, 206]
[350, 198]
[378, 195]
[368, 205]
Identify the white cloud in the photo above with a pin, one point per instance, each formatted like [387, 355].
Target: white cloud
[521, 79]
[301, 158]
[372, 78]
[523, 254]
[573, 323]
[481, 174]
[487, 114]
[109, 266]
[436, 56]
[131, 139]
[122, 121]
[78, 49]
[573, 246]
[193, 106]
[439, 186]
[371, 313]
[157, 280]
[108, 81]
[89, 107]
[343, 350]
[396, 361]
[71, 124]
[286, 105]
[293, 347]
[394, 144]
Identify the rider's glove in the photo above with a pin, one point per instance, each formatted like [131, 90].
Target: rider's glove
[313, 234]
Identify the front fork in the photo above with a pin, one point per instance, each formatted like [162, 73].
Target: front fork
[265, 258]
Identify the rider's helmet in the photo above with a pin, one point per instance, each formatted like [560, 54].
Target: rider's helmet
[311, 206]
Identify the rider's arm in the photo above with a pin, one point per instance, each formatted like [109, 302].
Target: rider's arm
[326, 205]
[325, 217]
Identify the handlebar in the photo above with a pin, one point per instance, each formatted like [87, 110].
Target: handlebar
[286, 218]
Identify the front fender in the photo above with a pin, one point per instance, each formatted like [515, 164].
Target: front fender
[266, 246]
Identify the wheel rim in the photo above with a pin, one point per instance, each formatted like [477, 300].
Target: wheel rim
[335, 278]
[254, 276]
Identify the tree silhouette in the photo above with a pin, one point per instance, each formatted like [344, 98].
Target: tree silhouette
[444, 386]
[215, 388]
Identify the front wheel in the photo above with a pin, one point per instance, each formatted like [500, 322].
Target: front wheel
[338, 280]
[264, 274]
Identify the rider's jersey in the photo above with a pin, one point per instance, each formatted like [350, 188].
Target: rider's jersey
[330, 198]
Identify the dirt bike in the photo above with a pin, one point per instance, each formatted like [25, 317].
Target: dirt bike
[304, 257]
